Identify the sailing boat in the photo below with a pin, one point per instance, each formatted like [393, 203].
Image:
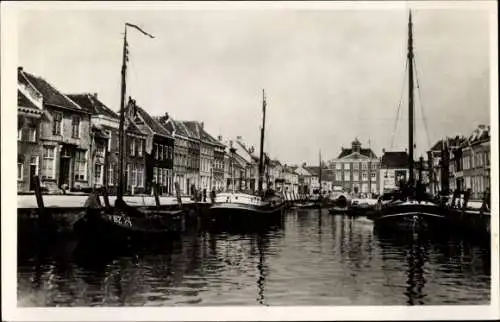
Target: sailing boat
[410, 207]
[236, 206]
[123, 222]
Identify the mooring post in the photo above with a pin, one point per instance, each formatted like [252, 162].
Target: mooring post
[157, 197]
[105, 196]
[453, 199]
[467, 195]
[178, 194]
[38, 194]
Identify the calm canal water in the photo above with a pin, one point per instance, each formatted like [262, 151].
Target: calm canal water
[313, 259]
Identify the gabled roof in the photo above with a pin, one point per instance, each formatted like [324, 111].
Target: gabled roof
[395, 160]
[180, 128]
[480, 134]
[92, 104]
[275, 163]
[23, 101]
[153, 124]
[51, 96]
[132, 128]
[193, 128]
[365, 152]
[302, 171]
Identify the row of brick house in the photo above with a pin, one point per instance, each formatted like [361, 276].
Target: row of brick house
[461, 163]
[72, 142]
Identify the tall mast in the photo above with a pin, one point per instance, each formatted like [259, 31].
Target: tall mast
[261, 156]
[122, 119]
[410, 101]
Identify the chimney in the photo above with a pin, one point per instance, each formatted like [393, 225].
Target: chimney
[202, 125]
[20, 68]
[383, 151]
[219, 137]
[238, 138]
[95, 95]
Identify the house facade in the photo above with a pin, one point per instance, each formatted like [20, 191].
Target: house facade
[105, 147]
[219, 165]
[29, 117]
[250, 176]
[159, 150]
[356, 170]
[275, 173]
[63, 135]
[181, 150]
[476, 162]
[393, 169]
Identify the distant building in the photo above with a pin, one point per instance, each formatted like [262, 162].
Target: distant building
[159, 153]
[444, 160]
[307, 180]
[291, 179]
[476, 162]
[181, 151]
[275, 170]
[393, 170]
[356, 170]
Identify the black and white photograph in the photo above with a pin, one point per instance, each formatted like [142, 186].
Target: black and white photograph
[250, 160]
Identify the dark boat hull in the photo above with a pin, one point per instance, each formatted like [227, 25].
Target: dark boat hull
[118, 227]
[244, 216]
[411, 217]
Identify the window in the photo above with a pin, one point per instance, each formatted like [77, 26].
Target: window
[364, 166]
[373, 175]
[32, 133]
[338, 175]
[355, 176]
[132, 147]
[155, 151]
[20, 134]
[109, 133]
[355, 166]
[140, 176]
[57, 124]
[111, 178]
[364, 176]
[155, 174]
[75, 127]
[100, 151]
[160, 152]
[347, 166]
[19, 170]
[347, 176]
[127, 174]
[134, 176]
[98, 174]
[139, 147]
[80, 165]
[374, 166]
[48, 163]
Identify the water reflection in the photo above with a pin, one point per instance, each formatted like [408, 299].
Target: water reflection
[308, 258]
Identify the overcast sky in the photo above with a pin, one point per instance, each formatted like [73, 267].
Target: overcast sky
[330, 75]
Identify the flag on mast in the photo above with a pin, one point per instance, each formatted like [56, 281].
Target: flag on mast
[137, 27]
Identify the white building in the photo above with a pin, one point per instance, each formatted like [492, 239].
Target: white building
[393, 169]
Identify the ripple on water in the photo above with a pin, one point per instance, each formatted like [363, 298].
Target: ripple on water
[314, 260]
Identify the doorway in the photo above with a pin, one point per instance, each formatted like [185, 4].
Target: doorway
[64, 171]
